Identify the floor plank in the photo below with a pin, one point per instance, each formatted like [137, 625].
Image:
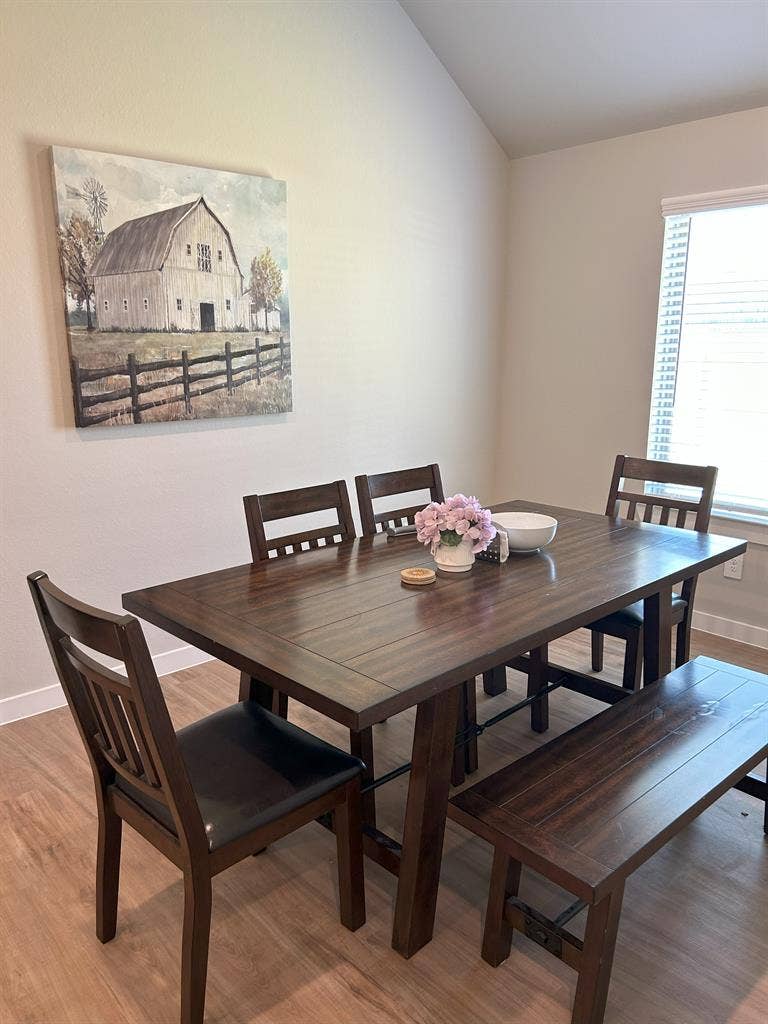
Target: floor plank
[692, 949]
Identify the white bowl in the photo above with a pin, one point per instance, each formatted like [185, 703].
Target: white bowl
[527, 531]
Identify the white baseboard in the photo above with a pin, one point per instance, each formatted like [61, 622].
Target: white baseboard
[744, 632]
[35, 702]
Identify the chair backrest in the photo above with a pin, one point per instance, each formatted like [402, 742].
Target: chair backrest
[675, 473]
[384, 485]
[123, 720]
[265, 508]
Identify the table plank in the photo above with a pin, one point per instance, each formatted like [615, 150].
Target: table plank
[340, 693]
[467, 645]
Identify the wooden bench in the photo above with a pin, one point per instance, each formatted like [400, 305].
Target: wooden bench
[588, 808]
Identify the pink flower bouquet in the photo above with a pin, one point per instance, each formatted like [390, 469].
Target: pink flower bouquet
[454, 520]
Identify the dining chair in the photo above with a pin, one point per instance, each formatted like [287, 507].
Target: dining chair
[668, 510]
[207, 796]
[266, 508]
[261, 509]
[407, 481]
[386, 485]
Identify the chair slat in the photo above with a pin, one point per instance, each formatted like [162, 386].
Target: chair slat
[664, 516]
[682, 515]
[150, 771]
[648, 514]
[130, 751]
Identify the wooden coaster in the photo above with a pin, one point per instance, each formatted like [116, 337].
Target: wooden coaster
[418, 577]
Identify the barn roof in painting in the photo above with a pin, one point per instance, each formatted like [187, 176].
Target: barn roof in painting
[144, 243]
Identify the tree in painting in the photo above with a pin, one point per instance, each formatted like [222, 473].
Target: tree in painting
[78, 246]
[266, 283]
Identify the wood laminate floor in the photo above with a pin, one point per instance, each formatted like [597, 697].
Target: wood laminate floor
[692, 948]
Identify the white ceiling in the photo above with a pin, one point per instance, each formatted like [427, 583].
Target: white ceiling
[545, 74]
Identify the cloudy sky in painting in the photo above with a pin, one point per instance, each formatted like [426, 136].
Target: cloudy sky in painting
[252, 209]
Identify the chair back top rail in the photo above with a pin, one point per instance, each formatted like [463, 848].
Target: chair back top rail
[673, 473]
[123, 720]
[384, 485]
[265, 508]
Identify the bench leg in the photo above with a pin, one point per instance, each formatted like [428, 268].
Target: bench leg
[537, 680]
[497, 933]
[598, 648]
[597, 959]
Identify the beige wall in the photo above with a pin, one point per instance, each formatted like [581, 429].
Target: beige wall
[397, 211]
[584, 257]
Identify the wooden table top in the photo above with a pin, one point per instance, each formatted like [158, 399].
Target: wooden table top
[336, 628]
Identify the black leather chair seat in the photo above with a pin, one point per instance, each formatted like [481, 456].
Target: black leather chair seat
[632, 615]
[248, 767]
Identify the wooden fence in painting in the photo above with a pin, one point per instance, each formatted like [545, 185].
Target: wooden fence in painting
[264, 361]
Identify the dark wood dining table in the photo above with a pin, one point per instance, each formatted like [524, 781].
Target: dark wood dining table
[337, 630]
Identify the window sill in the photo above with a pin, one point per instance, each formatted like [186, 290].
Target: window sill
[753, 529]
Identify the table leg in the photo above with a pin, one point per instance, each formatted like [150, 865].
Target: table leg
[264, 694]
[657, 635]
[424, 828]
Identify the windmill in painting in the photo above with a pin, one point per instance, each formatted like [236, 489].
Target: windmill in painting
[175, 310]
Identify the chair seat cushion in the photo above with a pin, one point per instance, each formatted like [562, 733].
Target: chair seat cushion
[632, 615]
[248, 767]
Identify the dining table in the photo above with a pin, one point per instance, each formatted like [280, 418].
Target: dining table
[336, 629]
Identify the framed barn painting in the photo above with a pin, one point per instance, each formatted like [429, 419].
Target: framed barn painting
[175, 289]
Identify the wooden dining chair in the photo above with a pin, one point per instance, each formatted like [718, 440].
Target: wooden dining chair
[386, 485]
[668, 510]
[206, 796]
[407, 481]
[266, 508]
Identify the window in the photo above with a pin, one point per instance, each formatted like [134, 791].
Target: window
[709, 402]
[146, 305]
[219, 252]
[178, 304]
[229, 304]
[189, 249]
[125, 305]
[204, 257]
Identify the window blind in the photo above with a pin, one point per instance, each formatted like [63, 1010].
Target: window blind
[709, 400]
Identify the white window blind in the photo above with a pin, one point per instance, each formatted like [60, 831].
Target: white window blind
[709, 403]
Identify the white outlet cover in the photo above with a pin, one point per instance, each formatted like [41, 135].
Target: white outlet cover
[734, 568]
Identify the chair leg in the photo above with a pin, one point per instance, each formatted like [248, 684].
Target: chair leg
[194, 945]
[467, 716]
[497, 932]
[348, 825]
[537, 680]
[598, 649]
[597, 959]
[107, 871]
[495, 680]
[361, 745]
[471, 719]
[633, 661]
[683, 642]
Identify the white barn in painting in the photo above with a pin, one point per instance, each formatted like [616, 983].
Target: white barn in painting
[171, 270]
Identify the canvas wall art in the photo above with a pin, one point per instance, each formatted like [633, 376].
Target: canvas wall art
[175, 289]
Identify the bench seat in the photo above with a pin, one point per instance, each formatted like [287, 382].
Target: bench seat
[588, 808]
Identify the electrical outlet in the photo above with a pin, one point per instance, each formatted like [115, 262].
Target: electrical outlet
[733, 568]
